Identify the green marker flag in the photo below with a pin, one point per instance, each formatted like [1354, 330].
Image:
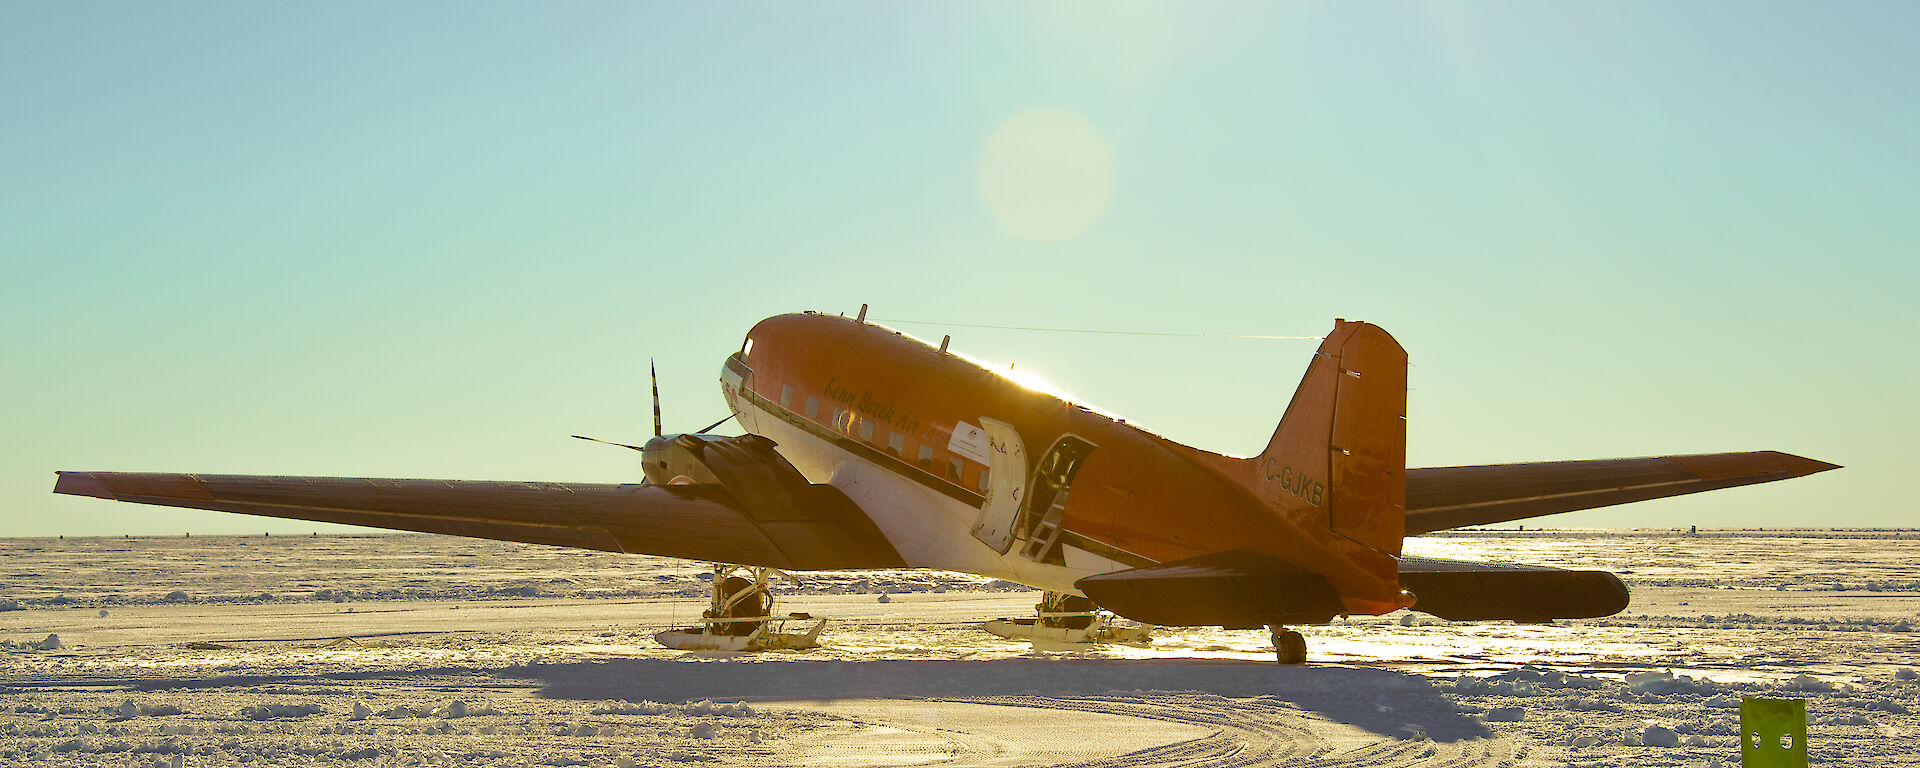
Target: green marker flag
[1773, 733]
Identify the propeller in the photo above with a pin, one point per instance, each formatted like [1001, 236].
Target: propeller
[609, 442]
[653, 378]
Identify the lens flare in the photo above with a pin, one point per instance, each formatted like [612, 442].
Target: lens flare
[1046, 174]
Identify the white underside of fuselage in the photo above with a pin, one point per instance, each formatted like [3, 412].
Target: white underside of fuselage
[927, 528]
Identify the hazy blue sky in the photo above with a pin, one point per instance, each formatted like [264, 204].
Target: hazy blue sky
[432, 239]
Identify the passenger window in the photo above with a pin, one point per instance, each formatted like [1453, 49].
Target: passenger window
[842, 421]
[953, 469]
[786, 395]
[982, 485]
[813, 407]
[926, 457]
[866, 430]
[896, 444]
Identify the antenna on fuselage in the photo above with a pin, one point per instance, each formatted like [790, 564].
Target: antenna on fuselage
[863, 315]
[654, 378]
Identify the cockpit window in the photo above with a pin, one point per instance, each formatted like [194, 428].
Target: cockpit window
[747, 349]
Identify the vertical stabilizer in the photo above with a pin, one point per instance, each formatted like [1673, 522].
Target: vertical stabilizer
[1339, 458]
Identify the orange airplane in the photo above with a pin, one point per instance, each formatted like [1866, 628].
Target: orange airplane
[867, 448]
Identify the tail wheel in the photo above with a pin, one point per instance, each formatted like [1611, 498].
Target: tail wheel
[1289, 646]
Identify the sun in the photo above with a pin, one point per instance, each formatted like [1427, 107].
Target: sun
[1046, 174]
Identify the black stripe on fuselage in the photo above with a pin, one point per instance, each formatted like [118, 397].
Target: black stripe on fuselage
[900, 466]
[895, 464]
[1102, 549]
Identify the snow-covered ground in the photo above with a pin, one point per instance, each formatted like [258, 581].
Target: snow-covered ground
[418, 650]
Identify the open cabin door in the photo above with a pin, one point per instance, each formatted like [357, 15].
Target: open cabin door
[1044, 512]
[1006, 484]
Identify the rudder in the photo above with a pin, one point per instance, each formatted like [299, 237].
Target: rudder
[1338, 460]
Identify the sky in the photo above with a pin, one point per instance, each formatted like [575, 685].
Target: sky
[433, 239]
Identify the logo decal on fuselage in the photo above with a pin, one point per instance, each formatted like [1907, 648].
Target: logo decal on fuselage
[1308, 489]
[865, 403]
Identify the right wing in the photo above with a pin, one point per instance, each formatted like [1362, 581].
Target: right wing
[1440, 498]
[811, 528]
[1458, 590]
[1241, 589]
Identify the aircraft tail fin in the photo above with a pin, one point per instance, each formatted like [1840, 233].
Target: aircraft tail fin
[1338, 460]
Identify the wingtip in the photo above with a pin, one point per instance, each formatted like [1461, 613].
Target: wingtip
[1822, 466]
[1754, 466]
[81, 484]
[1802, 466]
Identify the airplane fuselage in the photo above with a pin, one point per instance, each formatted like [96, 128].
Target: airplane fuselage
[965, 469]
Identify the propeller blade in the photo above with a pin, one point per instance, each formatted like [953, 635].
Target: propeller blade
[710, 427]
[655, 378]
[610, 442]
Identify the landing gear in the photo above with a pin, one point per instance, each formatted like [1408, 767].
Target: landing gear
[737, 602]
[741, 618]
[1069, 618]
[1058, 609]
[1288, 645]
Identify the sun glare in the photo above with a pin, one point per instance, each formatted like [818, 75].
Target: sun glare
[1034, 381]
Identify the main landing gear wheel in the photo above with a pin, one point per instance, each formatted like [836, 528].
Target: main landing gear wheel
[740, 602]
[1289, 646]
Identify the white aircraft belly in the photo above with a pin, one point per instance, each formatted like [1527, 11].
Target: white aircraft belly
[927, 528]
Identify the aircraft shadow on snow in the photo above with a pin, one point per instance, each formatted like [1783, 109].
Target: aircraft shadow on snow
[1385, 702]
[1393, 704]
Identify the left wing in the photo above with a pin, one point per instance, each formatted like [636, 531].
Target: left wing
[805, 527]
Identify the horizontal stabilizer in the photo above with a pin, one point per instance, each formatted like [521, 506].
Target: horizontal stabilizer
[816, 528]
[1467, 591]
[1238, 589]
[1442, 498]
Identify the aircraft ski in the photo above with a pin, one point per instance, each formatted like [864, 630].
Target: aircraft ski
[742, 618]
[1063, 619]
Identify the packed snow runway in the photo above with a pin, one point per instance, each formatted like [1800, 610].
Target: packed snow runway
[419, 650]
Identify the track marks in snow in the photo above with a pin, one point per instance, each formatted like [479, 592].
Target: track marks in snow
[1155, 730]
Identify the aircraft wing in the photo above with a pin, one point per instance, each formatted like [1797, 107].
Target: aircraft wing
[1440, 498]
[1459, 590]
[1241, 589]
[817, 528]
